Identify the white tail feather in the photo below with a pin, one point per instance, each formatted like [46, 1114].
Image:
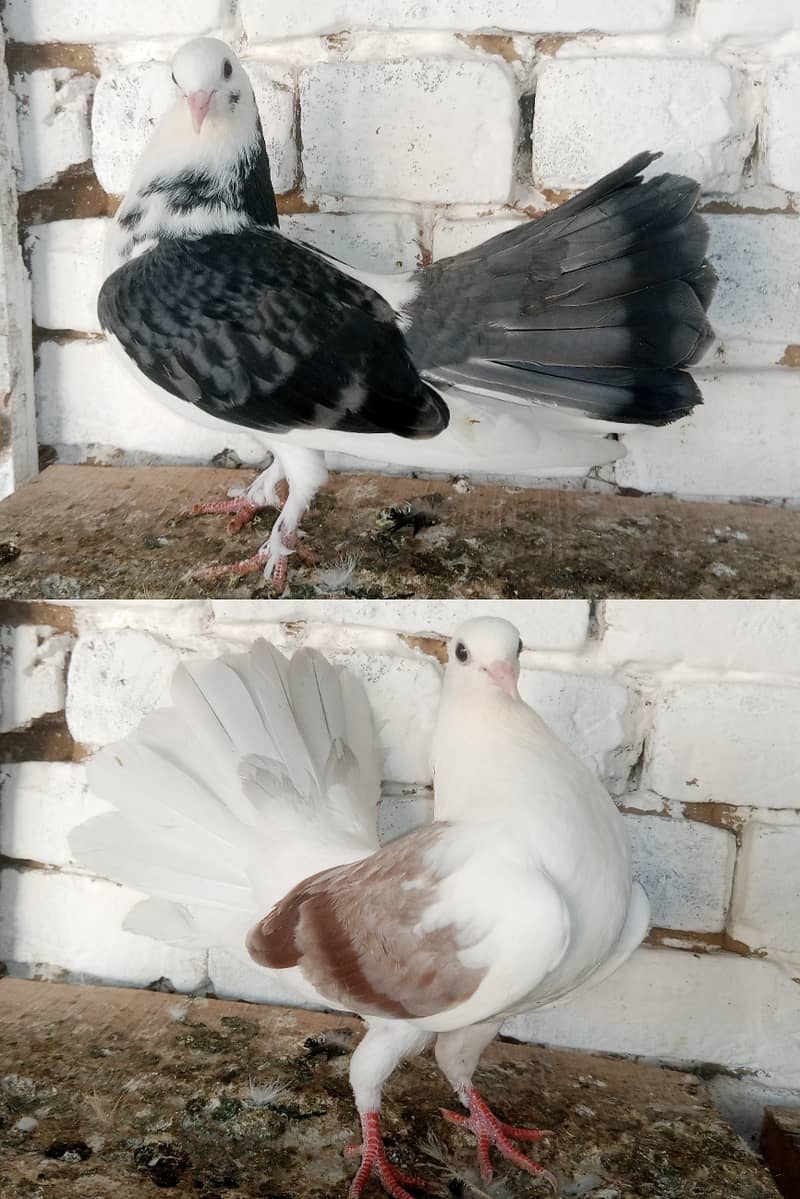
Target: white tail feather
[263, 772]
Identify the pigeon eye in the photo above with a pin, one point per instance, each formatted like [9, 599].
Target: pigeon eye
[519, 647]
[227, 68]
[462, 652]
[174, 80]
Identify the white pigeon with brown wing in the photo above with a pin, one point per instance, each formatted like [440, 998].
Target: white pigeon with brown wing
[524, 356]
[247, 812]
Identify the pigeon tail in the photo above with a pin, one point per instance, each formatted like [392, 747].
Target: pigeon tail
[597, 307]
[262, 771]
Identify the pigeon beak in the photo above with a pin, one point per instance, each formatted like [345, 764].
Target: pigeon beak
[504, 675]
[198, 106]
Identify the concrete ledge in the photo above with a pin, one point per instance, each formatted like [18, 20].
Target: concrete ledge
[105, 532]
[107, 1091]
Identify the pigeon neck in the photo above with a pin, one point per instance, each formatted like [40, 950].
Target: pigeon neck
[180, 199]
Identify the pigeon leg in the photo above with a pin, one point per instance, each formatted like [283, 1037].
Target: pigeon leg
[305, 473]
[490, 1131]
[382, 1048]
[375, 1161]
[458, 1053]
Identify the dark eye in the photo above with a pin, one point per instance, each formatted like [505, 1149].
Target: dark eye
[174, 80]
[227, 69]
[519, 647]
[462, 652]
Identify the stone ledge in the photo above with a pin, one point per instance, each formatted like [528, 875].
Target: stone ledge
[106, 532]
[143, 1090]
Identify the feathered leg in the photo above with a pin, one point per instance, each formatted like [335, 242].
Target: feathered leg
[384, 1046]
[458, 1054]
[305, 472]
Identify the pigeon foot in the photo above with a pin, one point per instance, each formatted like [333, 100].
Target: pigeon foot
[488, 1131]
[242, 509]
[262, 560]
[374, 1161]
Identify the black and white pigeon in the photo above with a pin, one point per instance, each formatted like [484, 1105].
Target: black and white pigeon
[517, 357]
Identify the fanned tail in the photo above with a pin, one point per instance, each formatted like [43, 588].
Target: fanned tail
[263, 771]
[596, 308]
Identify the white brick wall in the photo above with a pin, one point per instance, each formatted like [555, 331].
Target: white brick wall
[33, 661]
[402, 123]
[688, 711]
[783, 153]
[111, 21]
[283, 18]
[766, 899]
[688, 108]
[717, 744]
[52, 111]
[375, 129]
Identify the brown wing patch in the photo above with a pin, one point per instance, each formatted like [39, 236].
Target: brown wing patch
[353, 931]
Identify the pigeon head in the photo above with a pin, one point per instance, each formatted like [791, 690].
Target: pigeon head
[484, 654]
[214, 86]
[205, 169]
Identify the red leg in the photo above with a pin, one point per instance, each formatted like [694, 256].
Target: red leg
[374, 1161]
[488, 1131]
[247, 566]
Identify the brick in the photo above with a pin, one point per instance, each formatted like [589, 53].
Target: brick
[53, 122]
[689, 108]
[108, 20]
[274, 90]
[686, 869]
[782, 148]
[544, 624]
[169, 618]
[86, 396]
[765, 912]
[282, 18]
[592, 714]
[753, 422]
[40, 803]
[453, 237]
[754, 311]
[34, 662]
[67, 272]
[376, 129]
[740, 1013]
[115, 678]
[130, 101]
[56, 924]
[743, 21]
[383, 242]
[726, 743]
[710, 634]
[401, 814]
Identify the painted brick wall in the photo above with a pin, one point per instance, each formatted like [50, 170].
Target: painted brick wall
[688, 711]
[410, 131]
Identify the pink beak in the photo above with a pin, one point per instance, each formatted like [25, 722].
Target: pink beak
[198, 106]
[504, 675]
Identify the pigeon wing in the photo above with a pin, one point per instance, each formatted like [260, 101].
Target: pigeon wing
[263, 332]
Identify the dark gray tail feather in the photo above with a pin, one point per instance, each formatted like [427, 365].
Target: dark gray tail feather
[597, 306]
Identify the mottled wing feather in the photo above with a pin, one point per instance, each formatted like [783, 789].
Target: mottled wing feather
[259, 331]
[354, 932]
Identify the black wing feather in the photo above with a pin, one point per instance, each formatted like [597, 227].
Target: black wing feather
[262, 332]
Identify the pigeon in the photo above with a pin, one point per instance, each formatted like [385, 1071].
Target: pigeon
[527, 355]
[247, 813]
